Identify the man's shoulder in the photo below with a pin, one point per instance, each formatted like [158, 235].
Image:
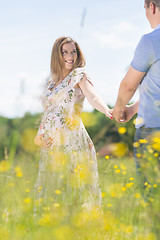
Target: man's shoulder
[152, 35]
[150, 39]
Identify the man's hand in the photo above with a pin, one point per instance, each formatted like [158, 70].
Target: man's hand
[126, 114]
[119, 114]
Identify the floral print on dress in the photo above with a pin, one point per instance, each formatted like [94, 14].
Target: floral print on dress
[72, 153]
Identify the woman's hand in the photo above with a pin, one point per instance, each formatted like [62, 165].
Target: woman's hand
[44, 143]
[109, 113]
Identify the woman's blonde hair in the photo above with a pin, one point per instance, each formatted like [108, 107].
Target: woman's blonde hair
[57, 62]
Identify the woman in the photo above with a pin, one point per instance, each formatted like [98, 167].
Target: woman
[68, 166]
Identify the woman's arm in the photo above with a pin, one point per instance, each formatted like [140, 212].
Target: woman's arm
[93, 98]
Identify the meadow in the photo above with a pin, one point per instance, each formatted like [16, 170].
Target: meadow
[125, 213]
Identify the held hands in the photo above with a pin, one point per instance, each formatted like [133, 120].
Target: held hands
[124, 115]
[41, 142]
[119, 114]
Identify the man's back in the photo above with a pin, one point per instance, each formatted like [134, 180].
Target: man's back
[147, 59]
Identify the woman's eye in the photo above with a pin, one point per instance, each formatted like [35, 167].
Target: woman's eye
[74, 51]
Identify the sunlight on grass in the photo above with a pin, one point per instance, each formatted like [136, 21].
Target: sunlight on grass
[125, 214]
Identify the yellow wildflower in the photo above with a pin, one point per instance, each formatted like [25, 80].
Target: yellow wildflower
[131, 179]
[4, 166]
[119, 149]
[107, 157]
[40, 188]
[151, 150]
[115, 166]
[156, 154]
[56, 205]
[122, 130]
[123, 167]
[103, 194]
[143, 141]
[136, 144]
[137, 195]
[113, 194]
[27, 200]
[156, 140]
[45, 220]
[128, 185]
[58, 192]
[109, 205]
[138, 155]
[18, 172]
[156, 146]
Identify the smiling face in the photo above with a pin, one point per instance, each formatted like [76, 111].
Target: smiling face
[69, 54]
[66, 55]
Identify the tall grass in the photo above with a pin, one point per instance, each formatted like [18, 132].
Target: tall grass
[125, 214]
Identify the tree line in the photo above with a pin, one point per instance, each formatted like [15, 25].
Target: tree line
[17, 134]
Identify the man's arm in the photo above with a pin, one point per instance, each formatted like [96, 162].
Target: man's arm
[127, 89]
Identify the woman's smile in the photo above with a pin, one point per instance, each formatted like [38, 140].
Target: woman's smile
[69, 54]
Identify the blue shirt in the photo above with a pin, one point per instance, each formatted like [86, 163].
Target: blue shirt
[147, 59]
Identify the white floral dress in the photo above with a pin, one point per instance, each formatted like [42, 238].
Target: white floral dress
[68, 171]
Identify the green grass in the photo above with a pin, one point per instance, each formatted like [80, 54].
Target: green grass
[126, 215]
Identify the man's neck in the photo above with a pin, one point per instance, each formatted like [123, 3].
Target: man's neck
[156, 20]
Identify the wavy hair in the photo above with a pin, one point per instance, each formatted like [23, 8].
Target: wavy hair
[57, 62]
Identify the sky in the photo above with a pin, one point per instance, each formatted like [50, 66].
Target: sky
[107, 32]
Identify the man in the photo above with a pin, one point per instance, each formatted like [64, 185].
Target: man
[144, 73]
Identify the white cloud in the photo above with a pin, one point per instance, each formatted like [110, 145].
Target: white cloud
[123, 27]
[117, 36]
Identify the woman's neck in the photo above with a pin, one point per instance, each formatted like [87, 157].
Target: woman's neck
[64, 74]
